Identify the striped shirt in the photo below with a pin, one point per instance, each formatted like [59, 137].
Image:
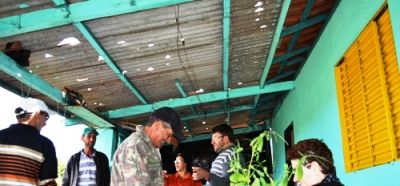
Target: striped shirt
[87, 170]
[220, 167]
[26, 157]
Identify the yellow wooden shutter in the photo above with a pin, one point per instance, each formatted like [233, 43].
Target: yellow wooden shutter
[392, 76]
[367, 97]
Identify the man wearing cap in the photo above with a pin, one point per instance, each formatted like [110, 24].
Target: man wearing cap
[27, 157]
[88, 166]
[137, 161]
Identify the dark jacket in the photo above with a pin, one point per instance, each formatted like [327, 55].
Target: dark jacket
[102, 170]
[330, 180]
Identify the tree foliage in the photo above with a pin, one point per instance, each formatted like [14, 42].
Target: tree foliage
[256, 172]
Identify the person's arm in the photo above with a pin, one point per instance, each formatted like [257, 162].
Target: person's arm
[216, 180]
[221, 179]
[200, 173]
[219, 174]
[67, 173]
[48, 169]
[107, 170]
[129, 168]
[103, 164]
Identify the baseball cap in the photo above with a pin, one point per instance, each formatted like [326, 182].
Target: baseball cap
[89, 130]
[30, 105]
[170, 116]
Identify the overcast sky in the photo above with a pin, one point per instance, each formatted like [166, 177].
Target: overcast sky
[67, 140]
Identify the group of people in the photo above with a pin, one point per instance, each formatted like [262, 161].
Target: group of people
[28, 158]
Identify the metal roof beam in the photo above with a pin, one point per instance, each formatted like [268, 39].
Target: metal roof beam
[296, 35]
[271, 53]
[280, 76]
[59, 2]
[226, 44]
[183, 93]
[291, 54]
[20, 92]
[226, 48]
[253, 128]
[217, 112]
[10, 67]
[201, 98]
[110, 62]
[304, 24]
[76, 12]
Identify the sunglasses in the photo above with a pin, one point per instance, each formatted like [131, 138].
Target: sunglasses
[45, 114]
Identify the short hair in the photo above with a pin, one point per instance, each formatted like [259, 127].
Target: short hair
[225, 130]
[187, 159]
[313, 150]
[152, 120]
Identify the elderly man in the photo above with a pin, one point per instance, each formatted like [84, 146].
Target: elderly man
[88, 166]
[137, 161]
[26, 157]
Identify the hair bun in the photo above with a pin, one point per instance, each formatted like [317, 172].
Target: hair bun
[19, 110]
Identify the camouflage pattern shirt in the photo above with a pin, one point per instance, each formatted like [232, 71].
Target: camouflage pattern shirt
[137, 162]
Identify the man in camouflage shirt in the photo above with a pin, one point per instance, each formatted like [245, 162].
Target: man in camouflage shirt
[137, 161]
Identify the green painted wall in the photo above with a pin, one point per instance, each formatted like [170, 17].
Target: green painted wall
[104, 142]
[312, 105]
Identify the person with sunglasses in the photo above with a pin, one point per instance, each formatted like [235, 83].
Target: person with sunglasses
[222, 141]
[27, 157]
[137, 161]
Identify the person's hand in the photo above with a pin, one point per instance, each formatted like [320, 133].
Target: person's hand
[165, 174]
[200, 173]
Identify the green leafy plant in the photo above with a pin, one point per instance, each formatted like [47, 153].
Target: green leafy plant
[256, 171]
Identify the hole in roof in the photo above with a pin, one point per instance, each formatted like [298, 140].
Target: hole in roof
[199, 91]
[259, 3]
[23, 5]
[81, 79]
[73, 41]
[47, 55]
[259, 9]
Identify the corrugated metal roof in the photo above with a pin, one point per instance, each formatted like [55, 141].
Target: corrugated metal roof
[155, 48]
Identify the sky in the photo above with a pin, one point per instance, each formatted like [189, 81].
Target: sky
[67, 140]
